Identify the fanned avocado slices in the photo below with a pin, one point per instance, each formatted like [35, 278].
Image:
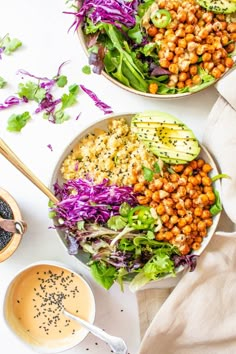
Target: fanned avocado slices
[218, 6]
[166, 136]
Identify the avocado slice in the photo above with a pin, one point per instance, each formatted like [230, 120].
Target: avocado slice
[218, 6]
[166, 136]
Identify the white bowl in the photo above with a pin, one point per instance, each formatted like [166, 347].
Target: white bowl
[33, 306]
[82, 257]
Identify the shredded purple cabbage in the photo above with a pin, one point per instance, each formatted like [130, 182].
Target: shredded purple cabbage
[1, 51]
[189, 260]
[101, 105]
[12, 101]
[84, 200]
[50, 147]
[115, 12]
[47, 83]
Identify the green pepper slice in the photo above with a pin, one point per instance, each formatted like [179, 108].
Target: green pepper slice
[140, 218]
[161, 18]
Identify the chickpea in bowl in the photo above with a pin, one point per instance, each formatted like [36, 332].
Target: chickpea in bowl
[162, 48]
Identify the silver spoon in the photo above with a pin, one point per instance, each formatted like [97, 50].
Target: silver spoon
[116, 344]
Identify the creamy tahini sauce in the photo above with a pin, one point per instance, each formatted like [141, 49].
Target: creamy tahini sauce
[35, 302]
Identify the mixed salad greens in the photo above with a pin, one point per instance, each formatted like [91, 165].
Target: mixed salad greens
[115, 235]
[118, 41]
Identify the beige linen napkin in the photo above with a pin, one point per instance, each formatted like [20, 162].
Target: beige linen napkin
[199, 315]
[220, 139]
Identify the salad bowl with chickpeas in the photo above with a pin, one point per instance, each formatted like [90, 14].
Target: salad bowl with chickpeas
[139, 199]
[158, 48]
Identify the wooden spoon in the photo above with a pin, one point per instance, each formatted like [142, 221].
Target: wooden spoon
[11, 157]
[14, 226]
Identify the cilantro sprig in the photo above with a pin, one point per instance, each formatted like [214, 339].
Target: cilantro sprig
[2, 82]
[9, 45]
[17, 121]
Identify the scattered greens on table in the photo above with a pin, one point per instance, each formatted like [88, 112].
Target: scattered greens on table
[40, 91]
[8, 45]
[2, 82]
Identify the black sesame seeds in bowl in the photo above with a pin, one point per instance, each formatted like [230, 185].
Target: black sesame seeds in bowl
[9, 210]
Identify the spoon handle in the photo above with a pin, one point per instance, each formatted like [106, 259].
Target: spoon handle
[116, 343]
[14, 160]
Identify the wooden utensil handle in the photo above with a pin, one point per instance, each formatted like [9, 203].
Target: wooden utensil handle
[11, 157]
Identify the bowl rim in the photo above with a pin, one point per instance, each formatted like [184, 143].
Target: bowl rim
[16, 238]
[168, 280]
[84, 331]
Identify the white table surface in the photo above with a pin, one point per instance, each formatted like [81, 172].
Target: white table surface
[43, 29]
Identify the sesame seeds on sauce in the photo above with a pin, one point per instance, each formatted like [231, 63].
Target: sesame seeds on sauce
[39, 297]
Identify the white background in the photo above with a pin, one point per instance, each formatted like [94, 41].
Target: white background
[43, 29]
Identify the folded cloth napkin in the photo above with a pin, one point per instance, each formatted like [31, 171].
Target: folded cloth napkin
[198, 315]
[220, 139]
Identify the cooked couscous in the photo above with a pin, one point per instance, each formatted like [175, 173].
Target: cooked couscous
[116, 154]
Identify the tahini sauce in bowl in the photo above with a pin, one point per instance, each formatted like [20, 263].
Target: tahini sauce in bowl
[33, 307]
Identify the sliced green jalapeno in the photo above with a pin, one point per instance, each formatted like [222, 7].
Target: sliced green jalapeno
[161, 18]
[140, 218]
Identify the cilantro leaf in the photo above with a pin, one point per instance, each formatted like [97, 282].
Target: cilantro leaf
[74, 89]
[17, 121]
[10, 45]
[60, 116]
[31, 91]
[86, 70]
[2, 82]
[61, 81]
[147, 173]
[70, 99]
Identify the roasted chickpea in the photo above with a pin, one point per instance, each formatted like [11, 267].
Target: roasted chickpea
[181, 223]
[198, 211]
[196, 79]
[193, 71]
[181, 212]
[143, 200]
[159, 236]
[165, 218]
[206, 168]
[206, 181]
[152, 31]
[178, 168]
[160, 209]
[229, 62]
[201, 226]
[208, 222]
[139, 187]
[196, 246]
[206, 214]
[174, 219]
[153, 88]
[211, 197]
[168, 235]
